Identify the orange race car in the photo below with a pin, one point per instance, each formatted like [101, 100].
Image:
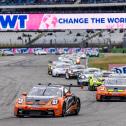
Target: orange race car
[55, 100]
[112, 89]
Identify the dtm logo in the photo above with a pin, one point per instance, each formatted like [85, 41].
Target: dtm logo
[10, 22]
[49, 21]
[119, 69]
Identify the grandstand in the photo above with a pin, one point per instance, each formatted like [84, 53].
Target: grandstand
[70, 38]
[17, 39]
[81, 38]
[50, 2]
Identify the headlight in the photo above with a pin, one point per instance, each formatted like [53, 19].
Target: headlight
[54, 101]
[83, 77]
[20, 100]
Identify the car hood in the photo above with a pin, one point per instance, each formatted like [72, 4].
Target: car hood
[60, 69]
[77, 70]
[43, 99]
[88, 75]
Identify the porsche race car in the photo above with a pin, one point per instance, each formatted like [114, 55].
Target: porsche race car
[7, 53]
[112, 89]
[83, 77]
[53, 100]
[60, 70]
[40, 52]
[73, 71]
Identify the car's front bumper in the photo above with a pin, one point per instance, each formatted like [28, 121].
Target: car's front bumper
[35, 110]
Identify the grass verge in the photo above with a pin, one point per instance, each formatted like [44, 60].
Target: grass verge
[104, 61]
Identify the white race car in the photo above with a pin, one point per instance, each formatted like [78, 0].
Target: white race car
[40, 52]
[83, 78]
[82, 55]
[60, 70]
[7, 53]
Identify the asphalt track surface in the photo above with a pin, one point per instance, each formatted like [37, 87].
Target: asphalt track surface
[20, 73]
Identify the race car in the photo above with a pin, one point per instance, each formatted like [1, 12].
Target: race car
[53, 64]
[60, 70]
[97, 79]
[73, 71]
[112, 89]
[7, 53]
[48, 99]
[40, 52]
[82, 55]
[69, 58]
[83, 77]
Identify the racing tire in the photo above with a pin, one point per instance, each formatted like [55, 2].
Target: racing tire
[49, 73]
[64, 110]
[101, 99]
[78, 106]
[18, 116]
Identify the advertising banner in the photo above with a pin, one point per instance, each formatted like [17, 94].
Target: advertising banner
[118, 68]
[92, 51]
[62, 21]
[54, 50]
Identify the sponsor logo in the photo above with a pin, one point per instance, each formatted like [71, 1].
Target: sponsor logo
[49, 21]
[12, 21]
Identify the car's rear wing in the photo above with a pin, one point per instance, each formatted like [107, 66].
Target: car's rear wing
[59, 85]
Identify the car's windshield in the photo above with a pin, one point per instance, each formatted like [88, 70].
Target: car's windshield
[45, 91]
[77, 67]
[62, 66]
[86, 72]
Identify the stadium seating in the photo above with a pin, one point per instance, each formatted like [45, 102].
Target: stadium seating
[98, 37]
[107, 38]
[17, 38]
[46, 2]
[92, 37]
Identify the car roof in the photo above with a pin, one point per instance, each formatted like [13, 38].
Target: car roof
[49, 85]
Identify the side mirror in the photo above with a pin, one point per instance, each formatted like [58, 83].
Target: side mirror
[24, 94]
